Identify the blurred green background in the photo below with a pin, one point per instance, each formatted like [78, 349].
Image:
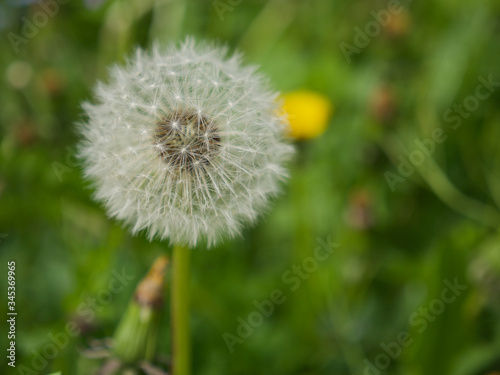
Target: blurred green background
[396, 246]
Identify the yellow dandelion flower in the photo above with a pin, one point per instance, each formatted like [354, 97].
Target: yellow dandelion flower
[308, 113]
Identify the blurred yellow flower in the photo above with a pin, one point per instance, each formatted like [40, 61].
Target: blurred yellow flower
[308, 113]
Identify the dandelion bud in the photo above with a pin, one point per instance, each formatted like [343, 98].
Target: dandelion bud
[135, 337]
[185, 143]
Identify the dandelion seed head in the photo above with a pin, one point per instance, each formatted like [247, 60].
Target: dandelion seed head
[185, 143]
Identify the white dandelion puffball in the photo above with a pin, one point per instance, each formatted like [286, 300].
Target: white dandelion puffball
[185, 143]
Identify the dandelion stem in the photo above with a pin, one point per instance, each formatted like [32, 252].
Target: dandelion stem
[180, 311]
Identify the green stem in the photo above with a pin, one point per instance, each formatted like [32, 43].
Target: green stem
[180, 311]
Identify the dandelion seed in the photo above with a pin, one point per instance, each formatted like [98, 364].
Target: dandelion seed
[185, 143]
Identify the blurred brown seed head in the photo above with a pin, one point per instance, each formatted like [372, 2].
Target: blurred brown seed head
[359, 214]
[52, 81]
[399, 24]
[25, 132]
[382, 105]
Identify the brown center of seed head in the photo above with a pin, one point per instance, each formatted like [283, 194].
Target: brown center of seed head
[186, 139]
